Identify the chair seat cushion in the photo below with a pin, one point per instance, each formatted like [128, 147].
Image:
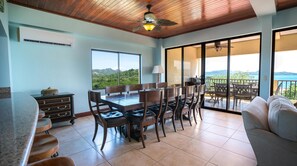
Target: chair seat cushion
[282, 119]
[112, 115]
[136, 116]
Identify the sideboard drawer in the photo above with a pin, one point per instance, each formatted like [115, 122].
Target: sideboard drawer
[55, 108]
[54, 101]
[59, 115]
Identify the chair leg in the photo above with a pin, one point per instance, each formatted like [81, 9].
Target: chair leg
[141, 136]
[157, 133]
[163, 123]
[95, 133]
[128, 131]
[104, 138]
[200, 112]
[181, 121]
[194, 114]
[115, 129]
[189, 115]
[173, 122]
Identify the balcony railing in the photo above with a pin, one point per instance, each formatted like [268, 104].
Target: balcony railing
[287, 88]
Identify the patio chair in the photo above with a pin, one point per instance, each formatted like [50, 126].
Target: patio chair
[242, 92]
[220, 91]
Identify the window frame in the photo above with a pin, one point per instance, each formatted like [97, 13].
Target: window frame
[118, 64]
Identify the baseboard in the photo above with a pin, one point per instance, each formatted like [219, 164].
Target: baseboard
[83, 114]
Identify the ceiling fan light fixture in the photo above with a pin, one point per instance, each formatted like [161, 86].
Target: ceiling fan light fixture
[149, 26]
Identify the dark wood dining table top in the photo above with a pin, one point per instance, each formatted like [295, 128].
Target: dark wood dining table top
[124, 102]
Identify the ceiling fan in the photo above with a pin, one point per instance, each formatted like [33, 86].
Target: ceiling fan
[218, 46]
[151, 22]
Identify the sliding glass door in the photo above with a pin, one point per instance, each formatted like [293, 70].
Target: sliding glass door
[285, 69]
[229, 68]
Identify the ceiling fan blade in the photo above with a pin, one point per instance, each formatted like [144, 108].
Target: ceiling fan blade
[164, 22]
[157, 28]
[136, 28]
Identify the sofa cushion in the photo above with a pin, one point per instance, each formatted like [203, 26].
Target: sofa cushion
[282, 119]
[274, 97]
[255, 115]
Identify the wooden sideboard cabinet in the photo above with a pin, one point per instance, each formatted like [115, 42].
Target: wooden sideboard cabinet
[57, 107]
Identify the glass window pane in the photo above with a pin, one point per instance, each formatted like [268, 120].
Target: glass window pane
[174, 67]
[285, 68]
[216, 63]
[104, 69]
[129, 69]
[192, 63]
[244, 71]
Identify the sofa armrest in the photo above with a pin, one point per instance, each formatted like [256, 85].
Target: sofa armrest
[271, 149]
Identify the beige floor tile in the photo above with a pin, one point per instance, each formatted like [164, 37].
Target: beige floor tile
[157, 151]
[240, 147]
[223, 131]
[73, 146]
[241, 136]
[114, 148]
[88, 130]
[227, 158]
[210, 164]
[176, 139]
[99, 138]
[87, 157]
[212, 138]
[132, 158]
[66, 135]
[104, 164]
[201, 149]
[58, 127]
[179, 157]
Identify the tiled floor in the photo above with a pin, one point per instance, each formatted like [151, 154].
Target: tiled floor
[219, 139]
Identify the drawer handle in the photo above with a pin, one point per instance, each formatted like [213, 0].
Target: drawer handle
[49, 109]
[62, 108]
[62, 115]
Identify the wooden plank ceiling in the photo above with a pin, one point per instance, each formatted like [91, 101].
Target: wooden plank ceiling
[190, 15]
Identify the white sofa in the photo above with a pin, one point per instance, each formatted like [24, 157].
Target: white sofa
[270, 149]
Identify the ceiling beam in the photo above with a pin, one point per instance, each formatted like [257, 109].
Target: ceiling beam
[264, 7]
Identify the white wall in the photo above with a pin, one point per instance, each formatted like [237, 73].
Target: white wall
[36, 66]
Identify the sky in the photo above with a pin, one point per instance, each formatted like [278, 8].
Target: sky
[246, 63]
[103, 60]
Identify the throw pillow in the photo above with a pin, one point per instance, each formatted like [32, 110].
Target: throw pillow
[282, 119]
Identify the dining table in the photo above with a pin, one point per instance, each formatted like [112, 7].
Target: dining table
[123, 102]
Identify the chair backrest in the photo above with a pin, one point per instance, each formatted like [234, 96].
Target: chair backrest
[220, 88]
[151, 97]
[202, 89]
[133, 88]
[241, 89]
[171, 95]
[161, 85]
[94, 99]
[149, 86]
[188, 93]
[115, 89]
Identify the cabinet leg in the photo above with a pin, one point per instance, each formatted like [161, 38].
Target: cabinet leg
[72, 121]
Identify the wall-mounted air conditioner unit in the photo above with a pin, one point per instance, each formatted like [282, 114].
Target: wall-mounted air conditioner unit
[44, 36]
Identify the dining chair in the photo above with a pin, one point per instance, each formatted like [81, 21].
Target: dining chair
[220, 91]
[115, 90]
[185, 104]
[161, 85]
[149, 86]
[171, 98]
[145, 117]
[105, 119]
[134, 88]
[242, 92]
